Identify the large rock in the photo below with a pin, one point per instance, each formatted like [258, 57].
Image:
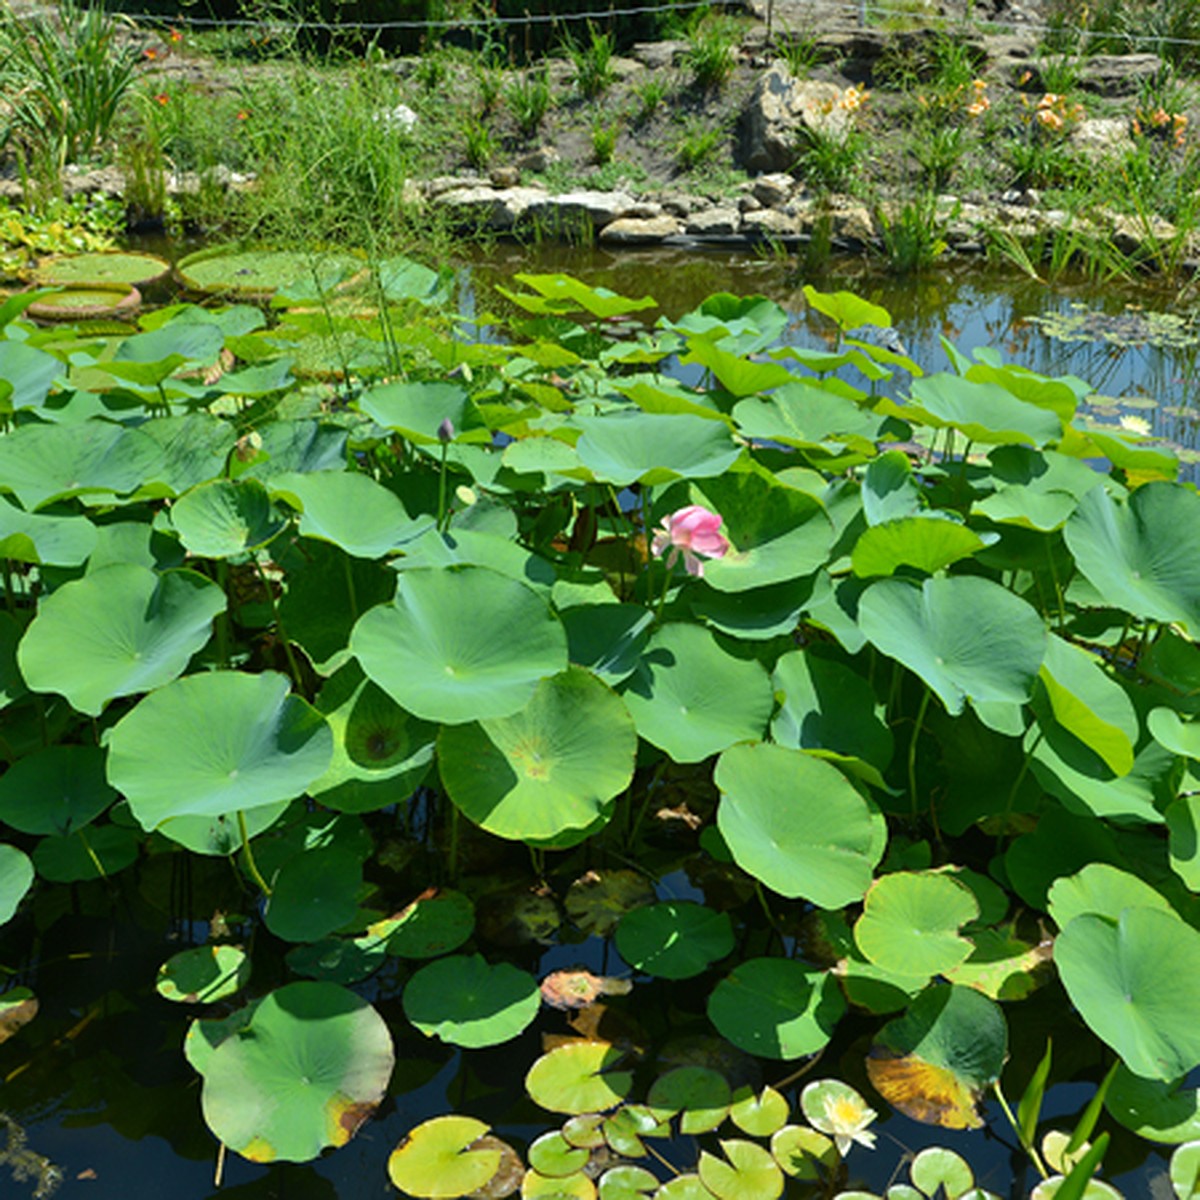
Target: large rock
[779, 108]
[1118, 74]
[497, 209]
[582, 212]
[714, 222]
[640, 231]
[1101, 139]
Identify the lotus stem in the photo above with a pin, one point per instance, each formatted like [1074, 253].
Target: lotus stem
[251, 865]
[441, 516]
[912, 751]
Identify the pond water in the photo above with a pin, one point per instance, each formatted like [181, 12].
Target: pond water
[97, 1084]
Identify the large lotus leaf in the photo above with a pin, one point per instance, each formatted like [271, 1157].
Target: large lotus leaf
[824, 704]
[934, 1062]
[562, 293]
[380, 752]
[796, 824]
[776, 1007]
[212, 744]
[654, 448]
[847, 309]
[442, 1158]
[479, 548]
[417, 409]
[16, 878]
[608, 639]
[221, 835]
[203, 974]
[26, 376]
[314, 894]
[1103, 891]
[194, 448]
[149, 358]
[303, 446]
[889, 490]
[466, 1001]
[1173, 733]
[965, 636]
[42, 463]
[55, 790]
[743, 324]
[550, 768]
[737, 375]
[910, 922]
[224, 517]
[1142, 555]
[460, 644]
[1062, 844]
[1183, 846]
[804, 414]
[40, 538]
[756, 615]
[97, 852]
[1088, 703]
[597, 900]
[926, 543]
[692, 699]
[579, 1077]
[1035, 489]
[776, 533]
[1060, 395]
[1133, 982]
[984, 412]
[306, 1072]
[117, 631]
[674, 939]
[349, 509]
[1160, 1112]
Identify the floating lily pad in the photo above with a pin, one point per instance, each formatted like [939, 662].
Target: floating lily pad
[674, 939]
[436, 922]
[579, 1077]
[700, 1097]
[465, 1001]
[203, 974]
[748, 1172]
[1157, 1111]
[56, 790]
[557, 1187]
[578, 987]
[258, 274]
[339, 959]
[627, 1183]
[551, 1154]
[683, 1187]
[597, 900]
[759, 1114]
[89, 302]
[314, 894]
[96, 852]
[1185, 1170]
[108, 267]
[776, 1007]
[910, 922]
[314, 1063]
[798, 1149]
[441, 1158]
[937, 1167]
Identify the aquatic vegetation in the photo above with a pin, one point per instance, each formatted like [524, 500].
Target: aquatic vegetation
[392, 619]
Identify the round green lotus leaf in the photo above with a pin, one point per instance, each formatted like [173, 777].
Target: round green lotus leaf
[466, 1001]
[552, 1154]
[699, 1094]
[338, 959]
[748, 1172]
[928, 543]
[314, 894]
[100, 267]
[1102, 890]
[307, 1071]
[55, 790]
[1170, 731]
[204, 1035]
[16, 878]
[117, 631]
[1003, 966]
[579, 1077]
[597, 900]
[934, 1062]
[629, 446]
[440, 1158]
[550, 768]
[798, 1149]
[1133, 983]
[224, 517]
[557, 1187]
[95, 852]
[416, 409]
[88, 302]
[1142, 555]
[1061, 844]
[627, 1183]
[776, 1007]
[675, 939]
[910, 922]
[436, 922]
[203, 974]
[761, 1114]
[1183, 847]
[683, 1187]
[349, 509]
[38, 538]
[608, 639]
[692, 699]
[221, 835]
[1157, 1111]
[797, 824]
[936, 1167]
[965, 636]
[207, 745]
[1185, 1171]
[460, 644]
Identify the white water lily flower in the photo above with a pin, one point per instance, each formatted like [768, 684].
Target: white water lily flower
[836, 1109]
[1135, 424]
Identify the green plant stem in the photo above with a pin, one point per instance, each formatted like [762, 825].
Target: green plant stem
[912, 751]
[350, 588]
[1012, 792]
[452, 856]
[1028, 1147]
[293, 665]
[1058, 592]
[223, 615]
[441, 517]
[251, 864]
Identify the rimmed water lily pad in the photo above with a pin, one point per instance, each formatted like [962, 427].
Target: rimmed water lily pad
[252, 744]
[934, 1062]
[441, 1158]
[203, 974]
[674, 939]
[117, 631]
[310, 1068]
[550, 769]
[797, 824]
[258, 274]
[910, 922]
[109, 267]
[88, 302]
[699, 1096]
[466, 1001]
[16, 878]
[776, 1007]
[436, 922]
[444, 649]
[748, 1172]
[56, 790]
[579, 1077]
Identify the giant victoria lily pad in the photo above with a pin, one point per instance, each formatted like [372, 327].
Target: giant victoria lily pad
[304, 1073]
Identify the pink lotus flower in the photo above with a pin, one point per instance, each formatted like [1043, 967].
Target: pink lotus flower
[690, 531]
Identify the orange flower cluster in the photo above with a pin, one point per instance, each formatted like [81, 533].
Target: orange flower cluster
[981, 103]
[1054, 114]
[849, 101]
[1159, 121]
